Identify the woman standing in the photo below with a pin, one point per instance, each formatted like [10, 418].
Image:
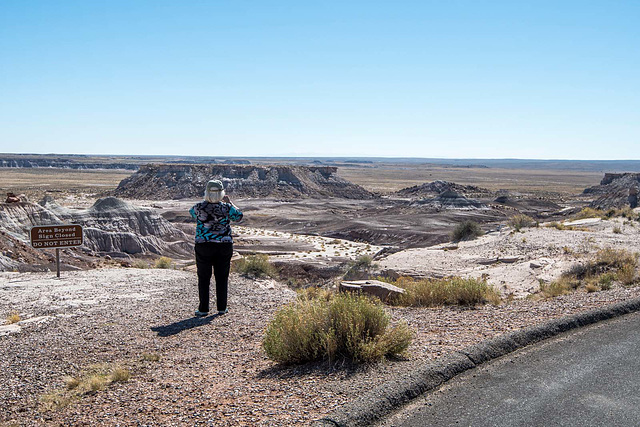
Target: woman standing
[214, 244]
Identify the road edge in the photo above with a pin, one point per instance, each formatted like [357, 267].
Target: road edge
[393, 394]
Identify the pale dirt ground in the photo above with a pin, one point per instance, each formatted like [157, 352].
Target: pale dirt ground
[387, 178]
[314, 246]
[212, 371]
[531, 255]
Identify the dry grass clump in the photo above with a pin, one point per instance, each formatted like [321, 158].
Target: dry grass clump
[564, 285]
[255, 266]
[608, 265]
[139, 264]
[561, 226]
[322, 325]
[94, 379]
[13, 317]
[624, 212]
[163, 262]
[466, 230]
[590, 213]
[520, 221]
[447, 291]
[151, 357]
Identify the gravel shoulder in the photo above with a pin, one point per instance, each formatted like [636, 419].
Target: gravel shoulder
[211, 371]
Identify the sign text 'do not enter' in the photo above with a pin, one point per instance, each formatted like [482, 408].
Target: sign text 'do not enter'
[56, 236]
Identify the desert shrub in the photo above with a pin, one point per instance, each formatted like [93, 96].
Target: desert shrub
[605, 260]
[617, 230]
[314, 292]
[520, 221]
[626, 274]
[255, 266]
[330, 326]
[562, 286]
[139, 264]
[591, 287]
[606, 281]
[119, 374]
[363, 262]
[561, 226]
[360, 266]
[466, 230]
[598, 273]
[13, 317]
[447, 291]
[624, 212]
[163, 262]
[590, 213]
[615, 258]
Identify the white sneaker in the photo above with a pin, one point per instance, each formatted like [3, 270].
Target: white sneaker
[221, 312]
[199, 313]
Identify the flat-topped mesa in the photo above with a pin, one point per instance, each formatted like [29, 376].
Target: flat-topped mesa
[616, 190]
[61, 163]
[430, 189]
[163, 181]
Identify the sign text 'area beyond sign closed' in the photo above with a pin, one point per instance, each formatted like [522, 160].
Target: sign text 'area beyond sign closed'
[56, 236]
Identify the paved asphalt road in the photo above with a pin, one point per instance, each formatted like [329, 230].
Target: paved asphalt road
[589, 377]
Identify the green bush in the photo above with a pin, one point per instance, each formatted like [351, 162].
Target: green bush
[447, 291]
[255, 266]
[327, 326]
[520, 221]
[606, 281]
[360, 266]
[467, 230]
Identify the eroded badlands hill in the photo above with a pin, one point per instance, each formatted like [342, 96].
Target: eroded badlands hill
[111, 227]
[616, 190]
[161, 182]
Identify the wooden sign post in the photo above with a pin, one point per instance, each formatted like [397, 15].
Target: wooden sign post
[56, 236]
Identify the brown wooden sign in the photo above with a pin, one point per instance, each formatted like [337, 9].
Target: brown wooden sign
[56, 236]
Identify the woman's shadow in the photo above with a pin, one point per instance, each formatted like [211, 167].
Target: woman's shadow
[183, 325]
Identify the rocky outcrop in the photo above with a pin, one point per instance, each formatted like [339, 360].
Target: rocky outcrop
[529, 205]
[435, 188]
[616, 190]
[63, 163]
[161, 182]
[451, 200]
[110, 226]
[384, 291]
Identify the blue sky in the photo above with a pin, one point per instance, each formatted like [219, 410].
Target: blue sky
[457, 79]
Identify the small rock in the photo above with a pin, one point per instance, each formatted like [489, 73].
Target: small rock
[9, 329]
[382, 290]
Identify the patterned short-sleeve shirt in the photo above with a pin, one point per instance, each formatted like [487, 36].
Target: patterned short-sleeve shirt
[212, 221]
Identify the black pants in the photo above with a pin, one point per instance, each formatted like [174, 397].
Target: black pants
[218, 256]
